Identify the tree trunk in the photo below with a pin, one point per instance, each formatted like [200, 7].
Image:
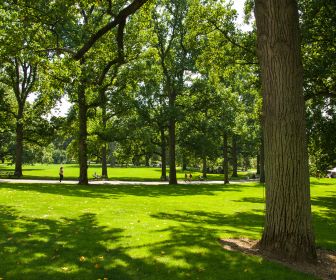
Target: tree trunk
[234, 157]
[288, 230]
[184, 163]
[104, 148]
[82, 145]
[163, 155]
[225, 159]
[19, 143]
[147, 157]
[258, 163]
[204, 167]
[104, 161]
[172, 164]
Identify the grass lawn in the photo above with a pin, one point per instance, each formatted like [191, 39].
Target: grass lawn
[142, 232]
[71, 172]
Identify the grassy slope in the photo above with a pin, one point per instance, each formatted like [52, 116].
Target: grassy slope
[141, 232]
[71, 171]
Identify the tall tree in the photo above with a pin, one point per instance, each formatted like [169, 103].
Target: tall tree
[170, 30]
[288, 228]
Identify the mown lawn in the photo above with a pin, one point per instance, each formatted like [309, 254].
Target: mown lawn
[71, 172]
[142, 232]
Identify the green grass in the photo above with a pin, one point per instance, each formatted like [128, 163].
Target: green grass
[142, 232]
[71, 172]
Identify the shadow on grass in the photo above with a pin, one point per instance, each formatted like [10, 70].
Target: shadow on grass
[325, 221]
[80, 248]
[116, 191]
[324, 218]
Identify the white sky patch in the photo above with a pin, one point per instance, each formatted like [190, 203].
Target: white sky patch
[62, 107]
[239, 6]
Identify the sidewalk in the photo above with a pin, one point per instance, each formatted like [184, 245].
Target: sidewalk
[103, 182]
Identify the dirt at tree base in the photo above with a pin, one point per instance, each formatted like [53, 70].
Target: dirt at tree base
[325, 268]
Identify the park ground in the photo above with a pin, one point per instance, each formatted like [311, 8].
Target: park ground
[62, 231]
[71, 172]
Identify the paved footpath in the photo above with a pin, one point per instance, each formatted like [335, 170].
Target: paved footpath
[105, 182]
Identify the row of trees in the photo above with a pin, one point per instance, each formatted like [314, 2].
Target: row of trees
[179, 76]
[129, 81]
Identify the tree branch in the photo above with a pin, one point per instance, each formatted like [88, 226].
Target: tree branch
[119, 19]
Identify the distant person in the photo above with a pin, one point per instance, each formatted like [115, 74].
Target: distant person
[185, 177]
[61, 174]
[318, 174]
[190, 177]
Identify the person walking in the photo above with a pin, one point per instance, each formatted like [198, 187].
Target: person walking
[61, 174]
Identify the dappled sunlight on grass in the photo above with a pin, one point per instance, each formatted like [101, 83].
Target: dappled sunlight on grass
[140, 232]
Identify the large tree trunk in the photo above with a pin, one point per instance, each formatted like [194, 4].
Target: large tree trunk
[288, 231]
[82, 145]
[225, 159]
[19, 143]
[234, 157]
[163, 155]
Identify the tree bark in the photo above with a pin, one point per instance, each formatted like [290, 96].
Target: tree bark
[19, 143]
[147, 158]
[234, 157]
[104, 148]
[258, 163]
[104, 161]
[82, 139]
[225, 159]
[288, 230]
[204, 167]
[172, 157]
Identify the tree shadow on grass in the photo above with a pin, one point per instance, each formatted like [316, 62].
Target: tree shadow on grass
[324, 220]
[117, 191]
[80, 248]
[194, 243]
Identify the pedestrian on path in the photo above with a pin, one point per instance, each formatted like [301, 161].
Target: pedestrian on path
[61, 174]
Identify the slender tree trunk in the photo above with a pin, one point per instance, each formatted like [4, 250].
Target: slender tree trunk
[204, 167]
[225, 159]
[234, 157]
[172, 164]
[82, 144]
[246, 163]
[172, 145]
[163, 155]
[288, 228]
[19, 143]
[258, 163]
[184, 163]
[104, 148]
[104, 160]
[147, 157]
